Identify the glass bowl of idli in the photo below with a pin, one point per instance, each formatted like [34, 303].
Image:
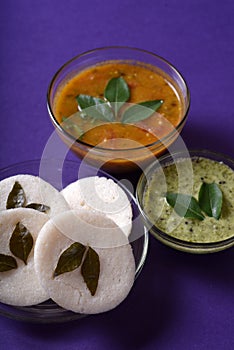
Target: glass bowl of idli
[45, 261]
[186, 200]
[118, 107]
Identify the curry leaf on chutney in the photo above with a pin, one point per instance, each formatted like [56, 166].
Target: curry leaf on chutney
[210, 199]
[185, 205]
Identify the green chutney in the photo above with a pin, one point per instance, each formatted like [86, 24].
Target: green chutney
[192, 172]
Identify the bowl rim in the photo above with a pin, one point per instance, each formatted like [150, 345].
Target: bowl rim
[180, 244]
[116, 47]
[24, 313]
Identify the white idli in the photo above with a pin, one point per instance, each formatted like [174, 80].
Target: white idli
[103, 195]
[20, 286]
[117, 265]
[36, 190]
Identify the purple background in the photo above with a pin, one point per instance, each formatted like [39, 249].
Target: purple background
[180, 301]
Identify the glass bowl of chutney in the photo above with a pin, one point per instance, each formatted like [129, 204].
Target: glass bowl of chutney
[195, 174]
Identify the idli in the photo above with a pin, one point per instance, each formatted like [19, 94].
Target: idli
[32, 192]
[103, 195]
[19, 284]
[96, 279]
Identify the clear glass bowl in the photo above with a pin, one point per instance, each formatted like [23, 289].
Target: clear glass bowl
[118, 160]
[60, 174]
[191, 247]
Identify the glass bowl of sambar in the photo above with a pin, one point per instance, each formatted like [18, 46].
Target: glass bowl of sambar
[118, 107]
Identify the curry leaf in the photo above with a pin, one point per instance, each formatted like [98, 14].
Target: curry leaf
[95, 107]
[7, 263]
[70, 259]
[39, 207]
[90, 270]
[86, 101]
[185, 205]
[21, 242]
[141, 111]
[117, 90]
[210, 199]
[16, 197]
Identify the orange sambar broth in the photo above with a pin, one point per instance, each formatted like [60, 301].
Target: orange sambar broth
[145, 85]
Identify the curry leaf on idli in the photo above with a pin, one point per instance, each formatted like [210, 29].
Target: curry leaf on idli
[70, 259]
[90, 270]
[16, 197]
[21, 242]
[7, 262]
[39, 207]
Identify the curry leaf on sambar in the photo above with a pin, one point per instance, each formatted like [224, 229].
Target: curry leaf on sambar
[95, 107]
[116, 93]
[86, 101]
[21, 242]
[117, 90]
[141, 111]
[16, 197]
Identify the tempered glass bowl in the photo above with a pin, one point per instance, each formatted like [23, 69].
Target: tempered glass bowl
[118, 160]
[60, 176]
[191, 247]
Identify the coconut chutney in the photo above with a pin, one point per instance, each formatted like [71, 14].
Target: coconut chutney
[162, 215]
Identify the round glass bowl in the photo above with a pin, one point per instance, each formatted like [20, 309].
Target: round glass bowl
[119, 160]
[59, 174]
[213, 244]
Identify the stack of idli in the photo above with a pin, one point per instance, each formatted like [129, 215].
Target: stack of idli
[73, 248]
